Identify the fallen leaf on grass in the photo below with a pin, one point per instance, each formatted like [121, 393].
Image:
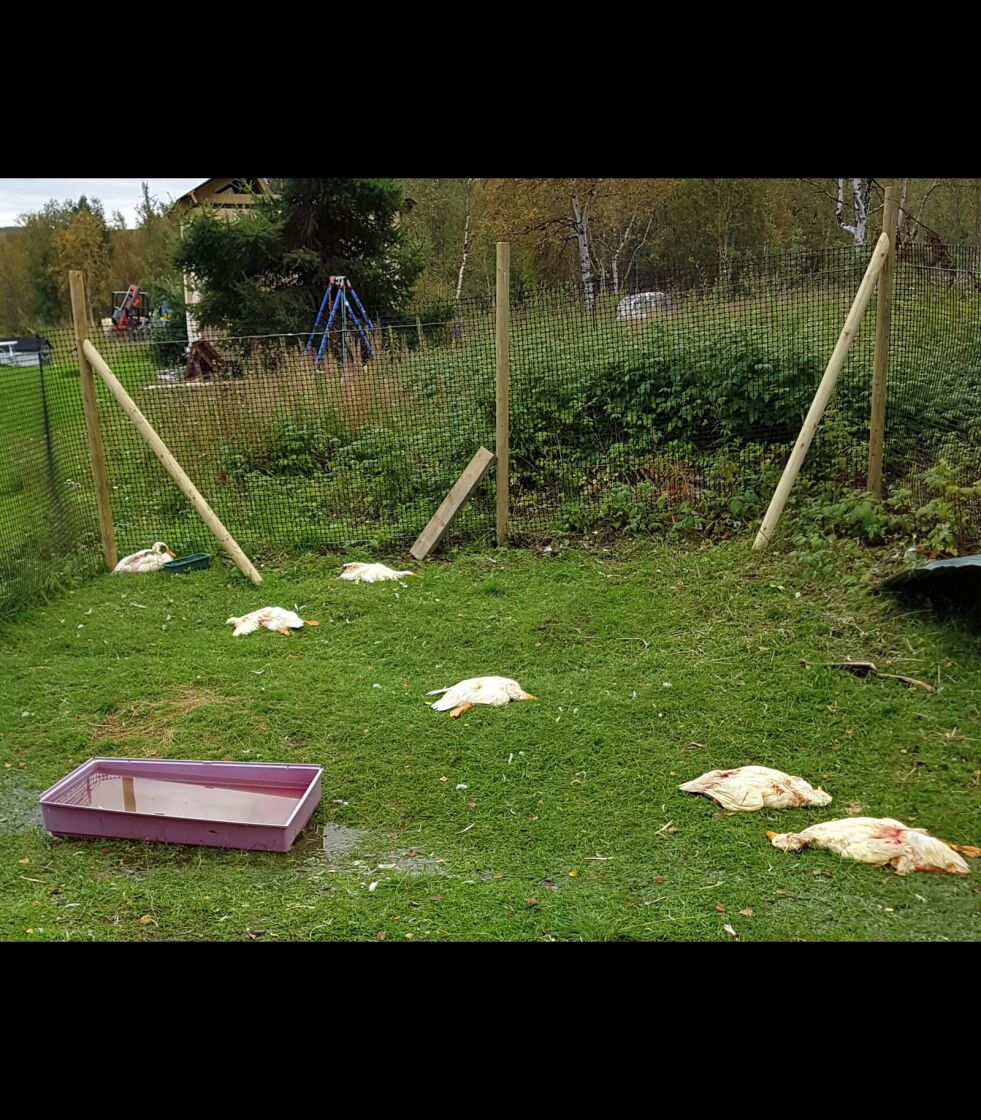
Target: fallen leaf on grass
[822, 871]
[531, 902]
[732, 933]
[380, 935]
[659, 879]
[747, 913]
[435, 898]
[146, 920]
[105, 851]
[24, 862]
[721, 909]
[548, 884]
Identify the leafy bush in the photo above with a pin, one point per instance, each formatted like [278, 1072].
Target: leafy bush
[300, 446]
[437, 321]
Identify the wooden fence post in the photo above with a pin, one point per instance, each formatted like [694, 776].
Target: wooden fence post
[883, 324]
[97, 453]
[502, 447]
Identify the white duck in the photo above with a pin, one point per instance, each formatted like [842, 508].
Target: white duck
[146, 560]
[371, 573]
[756, 787]
[496, 691]
[879, 842]
[272, 618]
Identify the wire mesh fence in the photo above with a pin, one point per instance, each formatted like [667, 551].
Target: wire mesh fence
[672, 406]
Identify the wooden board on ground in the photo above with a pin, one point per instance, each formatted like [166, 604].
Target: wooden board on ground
[454, 501]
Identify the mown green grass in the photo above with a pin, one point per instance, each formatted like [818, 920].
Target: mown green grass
[636, 656]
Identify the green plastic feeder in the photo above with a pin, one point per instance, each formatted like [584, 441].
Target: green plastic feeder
[196, 562]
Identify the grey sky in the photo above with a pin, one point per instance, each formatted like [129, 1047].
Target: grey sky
[21, 196]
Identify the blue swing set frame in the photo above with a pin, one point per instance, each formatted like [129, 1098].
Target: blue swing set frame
[339, 288]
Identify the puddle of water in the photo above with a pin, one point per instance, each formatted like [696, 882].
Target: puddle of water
[417, 865]
[19, 810]
[327, 841]
[333, 846]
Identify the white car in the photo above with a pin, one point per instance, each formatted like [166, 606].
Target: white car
[25, 351]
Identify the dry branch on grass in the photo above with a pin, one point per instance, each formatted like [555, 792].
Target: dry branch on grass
[867, 668]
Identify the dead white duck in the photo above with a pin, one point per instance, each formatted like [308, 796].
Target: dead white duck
[880, 842]
[147, 559]
[748, 788]
[278, 619]
[460, 698]
[371, 573]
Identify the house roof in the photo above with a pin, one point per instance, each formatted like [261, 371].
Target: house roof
[224, 193]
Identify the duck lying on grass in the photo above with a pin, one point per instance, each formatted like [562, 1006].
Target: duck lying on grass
[496, 691]
[371, 573]
[272, 618]
[880, 842]
[756, 787]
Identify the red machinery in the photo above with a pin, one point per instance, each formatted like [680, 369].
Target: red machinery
[130, 314]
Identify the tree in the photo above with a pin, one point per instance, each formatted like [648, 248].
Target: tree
[144, 255]
[549, 216]
[268, 269]
[46, 302]
[625, 215]
[861, 194]
[15, 288]
[83, 244]
[466, 237]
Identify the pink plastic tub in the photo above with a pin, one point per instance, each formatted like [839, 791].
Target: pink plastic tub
[261, 806]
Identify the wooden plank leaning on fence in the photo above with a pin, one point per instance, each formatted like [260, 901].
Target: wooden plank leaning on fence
[823, 394]
[172, 467]
[97, 454]
[441, 520]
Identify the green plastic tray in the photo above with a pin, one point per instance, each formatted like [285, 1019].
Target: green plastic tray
[197, 562]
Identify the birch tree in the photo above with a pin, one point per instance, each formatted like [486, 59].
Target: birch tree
[861, 194]
[466, 236]
[624, 216]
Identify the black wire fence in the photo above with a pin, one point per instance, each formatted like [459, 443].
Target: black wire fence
[668, 409]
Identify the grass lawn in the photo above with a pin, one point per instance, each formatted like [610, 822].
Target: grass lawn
[652, 665]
